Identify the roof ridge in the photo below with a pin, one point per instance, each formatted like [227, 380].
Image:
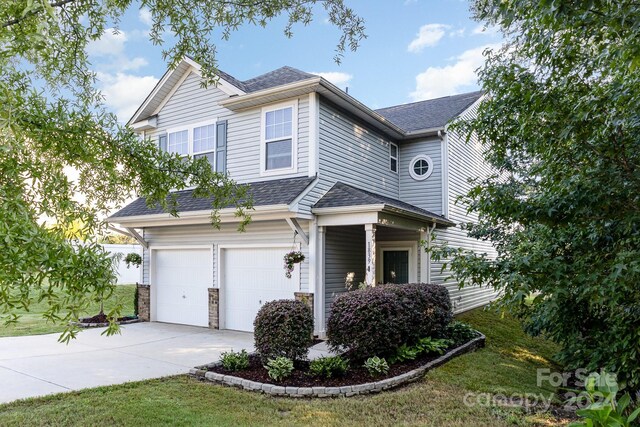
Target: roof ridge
[458, 95]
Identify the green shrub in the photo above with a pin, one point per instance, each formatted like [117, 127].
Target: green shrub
[283, 328]
[376, 366]
[404, 353]
[601, 408]
[459, 332]
[378, 320]
[279, 368]
[426, 345]
[328, 367]
[235, 361]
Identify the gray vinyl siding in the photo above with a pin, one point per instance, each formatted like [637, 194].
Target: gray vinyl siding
[191, 103]
[465, 162]
[354, 154]
[425, 194]
[344, 253]
[265, 232]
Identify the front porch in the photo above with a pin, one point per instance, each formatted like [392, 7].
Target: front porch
[369, 239]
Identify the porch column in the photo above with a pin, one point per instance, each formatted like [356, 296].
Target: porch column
[370, 274]
[318, 299]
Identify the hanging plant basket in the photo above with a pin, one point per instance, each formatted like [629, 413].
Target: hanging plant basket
[291, 259]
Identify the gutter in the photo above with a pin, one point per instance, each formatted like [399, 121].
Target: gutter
[381, 207]
[200, 217]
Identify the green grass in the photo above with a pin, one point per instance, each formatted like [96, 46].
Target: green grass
[508, 363]
[32, 323]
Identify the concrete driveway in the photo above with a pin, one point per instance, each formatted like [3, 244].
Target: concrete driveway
[37, 365]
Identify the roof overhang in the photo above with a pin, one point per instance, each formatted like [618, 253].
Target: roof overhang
[227, 215]
[324, 88]
[380, 214]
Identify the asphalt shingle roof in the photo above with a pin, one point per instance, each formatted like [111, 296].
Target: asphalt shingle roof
[432, 113]
[342, 195]
[279, 77]
[277, 192]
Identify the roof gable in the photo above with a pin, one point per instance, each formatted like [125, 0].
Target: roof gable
[170, 81]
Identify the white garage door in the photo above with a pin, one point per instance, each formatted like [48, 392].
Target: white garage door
[182, 277]
[251, 277]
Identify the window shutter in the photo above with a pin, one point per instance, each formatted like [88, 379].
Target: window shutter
[221, 147]
[162, 142]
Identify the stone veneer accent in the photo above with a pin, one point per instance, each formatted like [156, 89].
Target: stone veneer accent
[144, 302]
[214, 308]
[201, 372]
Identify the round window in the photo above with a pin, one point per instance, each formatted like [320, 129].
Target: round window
[420, 167]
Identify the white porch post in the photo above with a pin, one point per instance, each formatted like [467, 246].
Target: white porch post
[370, 276]
[319, 282]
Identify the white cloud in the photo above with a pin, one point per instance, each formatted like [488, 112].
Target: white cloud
[124, 93]
[429, 35]
[144, 15]
[110, 44]
[111, 47]
[336, 77]
[435, 82]
[457, 33]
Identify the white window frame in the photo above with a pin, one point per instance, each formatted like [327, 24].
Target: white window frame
[413, 162]
[190, 128]
[294, 139]
[396, 158]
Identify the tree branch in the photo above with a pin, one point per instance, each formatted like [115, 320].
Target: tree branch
[14, 21]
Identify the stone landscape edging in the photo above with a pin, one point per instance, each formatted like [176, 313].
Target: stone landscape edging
[103, 324]
[201, 372]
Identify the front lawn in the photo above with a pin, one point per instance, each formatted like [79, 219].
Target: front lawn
[32, 323]
[507, 365]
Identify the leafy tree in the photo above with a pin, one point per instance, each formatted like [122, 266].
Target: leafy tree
[52, 118]
[561, 126]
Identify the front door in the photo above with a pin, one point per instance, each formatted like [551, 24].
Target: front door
[395, 266]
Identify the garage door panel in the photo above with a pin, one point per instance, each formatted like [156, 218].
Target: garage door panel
[182, 279]
[252, 277]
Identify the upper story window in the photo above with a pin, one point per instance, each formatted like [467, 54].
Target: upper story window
[207, 140]
[393, 157]
[420, 167]
[278, 146]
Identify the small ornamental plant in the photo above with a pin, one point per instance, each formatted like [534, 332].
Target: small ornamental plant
[376, 366]
[291, 259]
[279, 368]
[133, 259]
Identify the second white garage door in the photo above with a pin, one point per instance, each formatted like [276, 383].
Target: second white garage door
[250, 278]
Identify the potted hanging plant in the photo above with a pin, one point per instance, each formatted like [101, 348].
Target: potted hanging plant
[291, 259]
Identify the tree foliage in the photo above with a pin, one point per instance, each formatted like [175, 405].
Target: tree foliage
[561, 126]
[52, 120]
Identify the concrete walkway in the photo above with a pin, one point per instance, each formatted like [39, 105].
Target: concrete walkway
[37, 365]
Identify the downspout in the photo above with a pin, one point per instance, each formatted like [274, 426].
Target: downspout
[430, 230]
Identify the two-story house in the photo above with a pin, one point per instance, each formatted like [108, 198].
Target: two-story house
[354, 189]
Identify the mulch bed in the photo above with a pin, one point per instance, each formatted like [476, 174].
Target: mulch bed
[102, 318]
[356, 374]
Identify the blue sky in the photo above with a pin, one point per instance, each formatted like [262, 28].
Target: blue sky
[415, 50]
